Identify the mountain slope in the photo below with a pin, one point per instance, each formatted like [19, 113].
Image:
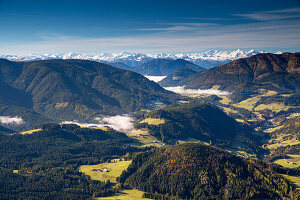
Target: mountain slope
[195, 120]
[176, 77]
[278, 72]
[4, 130]
[77, 89]
[164, 67]
[120, 65]
[194, 171]
[30, 117]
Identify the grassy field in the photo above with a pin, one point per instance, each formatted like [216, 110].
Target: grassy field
[225, 100]
[293, 179]
[229, 110]
[240, 120]
[270, 130]
[215, 87]
[250, 103]
[30, 131]
[293, 115]
[275, 107]
[125, 195]
[143, 136]
[243, 154]
[287, 162]
[115, 170]
[153, 121]
[183, 101]
[103, 128]
[275, 143]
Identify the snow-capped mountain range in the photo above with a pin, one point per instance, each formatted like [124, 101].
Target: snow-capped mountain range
[204, 59]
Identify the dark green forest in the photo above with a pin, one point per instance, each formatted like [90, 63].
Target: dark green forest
[195, 171]
[200, 121]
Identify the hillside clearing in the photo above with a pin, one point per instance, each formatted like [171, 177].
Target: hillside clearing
[105, 171]
[153, 121]
[125, 195]
[292, 162]
[30, 131]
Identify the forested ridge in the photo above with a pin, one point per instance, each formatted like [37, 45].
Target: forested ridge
[194, 171]
[201, 121]
[244, 77]
[74, 89]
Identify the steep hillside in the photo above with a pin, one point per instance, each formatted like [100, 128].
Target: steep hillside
[164, 67]
[4, 130]
[194, 171]
[277, 72]
[120, 65]
[30, 117]
[76, 89]
[176, 77]
[200, 121]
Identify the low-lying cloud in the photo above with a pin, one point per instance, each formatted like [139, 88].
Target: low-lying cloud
[118, 122]
[155, 78]
[182, 90]
[123, 123]
[11, 120]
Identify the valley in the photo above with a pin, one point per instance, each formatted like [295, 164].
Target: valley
[164, 100]
[114, 134]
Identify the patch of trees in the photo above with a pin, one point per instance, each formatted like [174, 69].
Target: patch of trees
[293, 100]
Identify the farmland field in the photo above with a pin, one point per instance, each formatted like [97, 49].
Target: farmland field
[153, 121]
[125, 195]
[292, 162]
[114, 168]
[30, 131]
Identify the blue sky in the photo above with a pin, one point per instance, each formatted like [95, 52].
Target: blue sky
[147, 26]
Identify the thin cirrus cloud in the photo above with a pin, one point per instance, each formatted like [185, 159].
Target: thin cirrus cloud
[273, 14]
[263, 32]
[179, 27]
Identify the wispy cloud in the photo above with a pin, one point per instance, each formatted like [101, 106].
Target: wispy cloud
[201, 18]
[273, 14]
[183, 91]
[179, 27]
[123, 123]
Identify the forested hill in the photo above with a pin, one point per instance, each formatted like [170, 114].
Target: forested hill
[164, 67]
[277, 72]
[76, 89]
[4, 130]
[176, 77]
[193, 120]
[194, 171]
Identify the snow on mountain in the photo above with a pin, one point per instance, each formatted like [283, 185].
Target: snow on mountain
[204, 59]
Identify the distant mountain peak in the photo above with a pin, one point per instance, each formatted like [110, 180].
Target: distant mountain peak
[204, 58]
